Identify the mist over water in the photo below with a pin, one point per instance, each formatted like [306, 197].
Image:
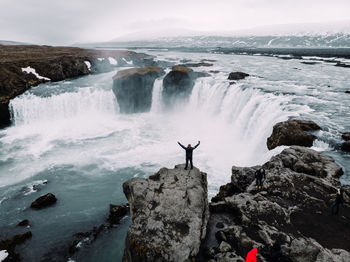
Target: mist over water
[71, 134]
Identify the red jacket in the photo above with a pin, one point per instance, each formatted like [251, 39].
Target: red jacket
[251, 257]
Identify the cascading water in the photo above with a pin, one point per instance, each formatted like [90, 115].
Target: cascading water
[29, 109]
[157, 95]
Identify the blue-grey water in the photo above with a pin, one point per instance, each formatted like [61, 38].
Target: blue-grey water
[69, 138]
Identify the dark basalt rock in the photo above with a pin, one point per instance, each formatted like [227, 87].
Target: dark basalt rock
[347, 92]
[133, 88]
[24, 223]
[10, 245]
[346, 146]
[116, 212]
[178, 85]
[346, 136]
[292, 210]
[237, 76]
[342, 65]
[44, 201]
[198, 64]
[292, 132]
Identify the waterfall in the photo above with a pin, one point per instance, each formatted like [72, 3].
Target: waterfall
[157, 95]
[29, 108]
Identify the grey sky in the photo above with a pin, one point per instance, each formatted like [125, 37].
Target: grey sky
[66, 22]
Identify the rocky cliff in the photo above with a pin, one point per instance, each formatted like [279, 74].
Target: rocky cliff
[292, 209]
[24, 66]
[169, 212]
[133, 88]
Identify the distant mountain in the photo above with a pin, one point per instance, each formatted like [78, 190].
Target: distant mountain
[5, 42]
[303, 41]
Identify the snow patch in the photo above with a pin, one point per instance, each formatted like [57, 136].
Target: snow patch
[88, 64]
[3, 255]
[29, 70]
[112, 61]
[128, 62]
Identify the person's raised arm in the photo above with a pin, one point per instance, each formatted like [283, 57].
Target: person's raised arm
[181, 145]
[197, 145]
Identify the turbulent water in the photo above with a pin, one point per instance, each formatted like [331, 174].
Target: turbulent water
[69, 138]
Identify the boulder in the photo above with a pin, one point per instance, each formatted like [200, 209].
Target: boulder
[347, 92]
[133, 88]
[116, 212]
[346, 146]
[237, 76]
[293, 209]
[44, 201]
[169, 212]
[24, 223]
[178, 85]
[346, 136]
[292, 132]
[10, 244]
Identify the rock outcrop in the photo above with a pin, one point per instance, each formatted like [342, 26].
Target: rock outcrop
[237, 76]
[292, 209]
[10, 244]
[47, 63]
[116, 212]
[346, 145]
[169, 212]
[133, 88]
[44, 201]
[292, 132]
[178, 85]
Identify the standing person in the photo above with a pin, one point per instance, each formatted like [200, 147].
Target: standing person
[189, 153]
[259, 175]
[251, 256]
[338, 200]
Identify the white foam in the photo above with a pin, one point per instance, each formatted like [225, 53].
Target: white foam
[3, 255]
[88, 64]
[112, 61]
[29, 70]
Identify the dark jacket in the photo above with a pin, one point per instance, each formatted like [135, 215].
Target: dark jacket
[260, 173]
[189, 150]
[339, 199]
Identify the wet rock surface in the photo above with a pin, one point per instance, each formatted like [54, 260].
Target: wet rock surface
[178, 84]
[133, 88]
[292, 132]
[52, 63]
[292, 209]
[346, 145]
[44, 201]
[117, 212]
[10, 244]
[169, 213]
[237, 76]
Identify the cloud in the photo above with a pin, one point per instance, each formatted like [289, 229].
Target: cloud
[66, 22]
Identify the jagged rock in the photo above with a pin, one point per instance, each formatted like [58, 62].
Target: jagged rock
[116, 212]
[24, 223]
[10, 245]
[237, 76]
[177, 85]
[292, 132]
[44, 201]
[346, 146]
[346, 136]
[133, 88]
[293, 208]
[169, 213]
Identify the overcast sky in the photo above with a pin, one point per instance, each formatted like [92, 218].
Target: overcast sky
[71, 21]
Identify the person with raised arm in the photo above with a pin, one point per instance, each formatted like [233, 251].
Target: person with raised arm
[189, 153]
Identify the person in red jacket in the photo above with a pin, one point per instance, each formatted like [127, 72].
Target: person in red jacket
[251, 256]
